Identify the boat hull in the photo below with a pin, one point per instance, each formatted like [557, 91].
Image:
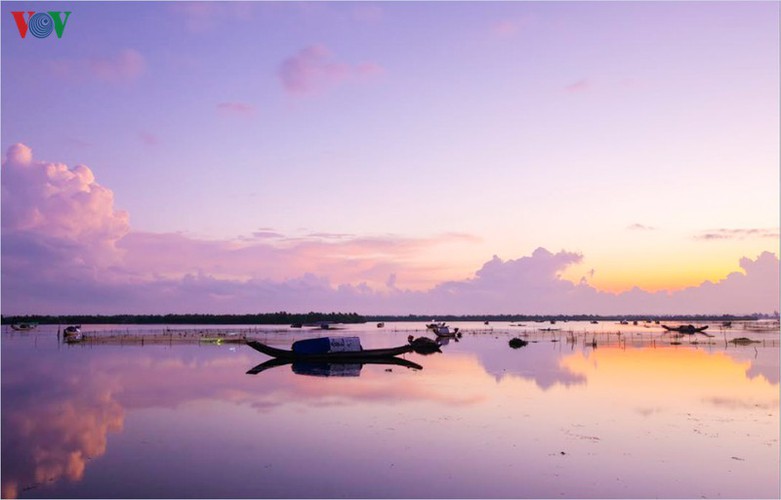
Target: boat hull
[685, 329]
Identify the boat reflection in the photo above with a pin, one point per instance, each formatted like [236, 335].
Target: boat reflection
[326, 369]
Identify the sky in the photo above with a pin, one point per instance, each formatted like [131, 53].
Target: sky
[391, 157]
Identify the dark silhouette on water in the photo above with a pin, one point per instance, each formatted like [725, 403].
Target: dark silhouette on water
[688, 329]
[350, 368]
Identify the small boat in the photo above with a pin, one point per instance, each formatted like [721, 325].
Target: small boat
[688, 329]
[442, 330]
[308, 350]
[24, 327]
[72, 334]
[424, 345]
[380, 325]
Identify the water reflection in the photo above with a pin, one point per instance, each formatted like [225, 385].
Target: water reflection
[705, 419]
[647, 377]
[351, 369]
[55, 419]
[538, 363]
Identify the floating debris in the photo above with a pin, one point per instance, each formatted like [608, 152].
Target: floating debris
[744, 341]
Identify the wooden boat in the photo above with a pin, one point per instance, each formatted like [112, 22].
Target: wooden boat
[24, 327]
[442, 330]
[72, 334]
[343, 368]
[689, 329]
[326, 356]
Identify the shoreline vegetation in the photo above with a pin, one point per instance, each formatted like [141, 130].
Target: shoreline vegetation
[282, 318]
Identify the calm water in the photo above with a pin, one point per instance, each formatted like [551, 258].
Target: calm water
[632, 417]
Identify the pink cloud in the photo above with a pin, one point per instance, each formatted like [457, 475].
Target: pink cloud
[273, 256]
[738, 234]
[66, 249]
[266, 233]
[55, 200]
[506, 28]
[579, 86]
[58, 224]
[148, 138]
[200, 17]
[124, 67]
[368, 13]
[236, 108]
[313, 69]
[512, 27]
[641, 227]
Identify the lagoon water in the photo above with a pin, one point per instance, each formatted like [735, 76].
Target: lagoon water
[636, 415]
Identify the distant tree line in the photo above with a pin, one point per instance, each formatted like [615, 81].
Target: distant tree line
[277, 318]
[284, 318]
[571, 317]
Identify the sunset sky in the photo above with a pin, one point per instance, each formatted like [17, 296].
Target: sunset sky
[400, 157]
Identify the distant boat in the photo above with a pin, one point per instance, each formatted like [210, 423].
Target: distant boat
[688, 329]
[442, 330]
[380, 325]
[72, 334]
[24, 327]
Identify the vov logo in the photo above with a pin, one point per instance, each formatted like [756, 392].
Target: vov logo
[41, 24]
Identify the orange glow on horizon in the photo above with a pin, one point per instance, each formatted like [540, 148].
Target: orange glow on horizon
[650, 373]
[662, 273]
[664, 280]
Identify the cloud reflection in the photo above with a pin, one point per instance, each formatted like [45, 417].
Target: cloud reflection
[55, 420]
[52, 436]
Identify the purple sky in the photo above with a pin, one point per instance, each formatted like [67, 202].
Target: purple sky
[444, 157]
